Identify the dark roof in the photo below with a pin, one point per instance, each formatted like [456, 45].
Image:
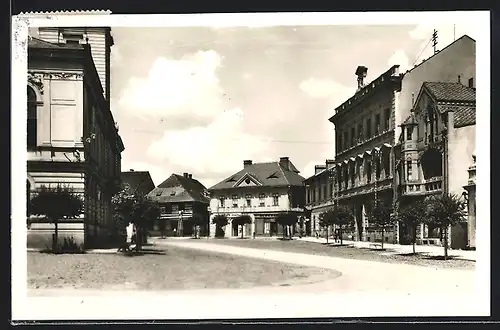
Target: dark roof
[39, 43]
[451, 91]
[138, 181]
[464, 115]
[411, 120]
[178, 188]
[270, 174]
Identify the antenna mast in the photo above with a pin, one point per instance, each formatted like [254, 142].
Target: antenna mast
[434, 40]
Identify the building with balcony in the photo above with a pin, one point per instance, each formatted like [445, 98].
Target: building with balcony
[437, 141]
[137, 182]
[367, 127]
[262, 191]
[181, 197]
[72, 137]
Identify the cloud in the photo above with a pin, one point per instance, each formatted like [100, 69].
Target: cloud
[186, 86]
[400, 58]
[327, 88]
[217, 149]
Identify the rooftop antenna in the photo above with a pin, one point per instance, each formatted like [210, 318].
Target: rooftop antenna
[434, 40]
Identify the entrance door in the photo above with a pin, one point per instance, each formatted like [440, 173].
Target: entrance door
[235, 229]
[274, 228]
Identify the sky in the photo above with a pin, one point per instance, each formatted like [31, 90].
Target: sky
[201, 100]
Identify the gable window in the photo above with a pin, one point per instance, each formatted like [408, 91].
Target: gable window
[235, 200]
[248, 199]
[221, 201]
[262, 200]
[73, 38]
[387, 119]
[31, 124]
[276, 200]
[377, 124]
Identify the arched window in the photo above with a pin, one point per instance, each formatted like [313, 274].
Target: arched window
[31, 124]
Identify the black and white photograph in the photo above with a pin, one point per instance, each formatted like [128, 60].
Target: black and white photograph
[250, 166]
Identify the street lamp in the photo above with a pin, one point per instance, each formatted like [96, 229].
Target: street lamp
[180, 224]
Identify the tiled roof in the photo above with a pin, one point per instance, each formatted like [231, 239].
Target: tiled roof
[464, 115]
[448, 91]
[411, 120]
[270, 174]
[138, 181]
[178, 188]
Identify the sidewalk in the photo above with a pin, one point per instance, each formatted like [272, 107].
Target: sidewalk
[397, 248]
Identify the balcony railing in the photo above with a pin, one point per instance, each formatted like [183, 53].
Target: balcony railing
[429, 186]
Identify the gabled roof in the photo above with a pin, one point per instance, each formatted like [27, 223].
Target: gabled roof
[270, 174]
[177, 188]
[138, 182]
[450, 91]
[411, 120]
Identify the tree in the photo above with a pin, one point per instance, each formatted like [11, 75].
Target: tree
[381, 217]
[139, 210]
[220, 221]
[412, 215]
[327, 219]
[286, 219]
[343, 219]
[162, 226]
[197, 221]
[444, 211]
[241, 221]
[55, 204]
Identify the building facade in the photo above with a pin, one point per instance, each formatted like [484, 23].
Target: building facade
[436, 142]
[137, 182]
[368, 126]
[72, 136]
[181, 197]
[262, 191]
[471, 205]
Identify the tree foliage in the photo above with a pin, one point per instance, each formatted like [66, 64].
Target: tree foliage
[381, 217]
[139, 210]
[56, 203]
[327, 219]
[286, 219]
[412, 215]
[444, 211]
[340, 216]
[241, 221]
[220, 221]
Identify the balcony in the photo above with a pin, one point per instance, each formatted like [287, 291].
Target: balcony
[254, 209]
[430, 186]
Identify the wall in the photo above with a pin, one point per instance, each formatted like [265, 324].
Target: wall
[461, 146]
[457, 59]
[255, 200]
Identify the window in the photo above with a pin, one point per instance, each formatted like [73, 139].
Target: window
[162, 209]
[276, 201]
[408, 170]
[262, 199]
[340, 142]
[248, 199]
[360, 133]
[378, 168]
[346, 140]
[181, 207]
[168, 208]
[368, 128]
[235, 201]
[72, 38]
[377, 124]
[387, 119]
[332, 189]
[418, 170]
[31, 124]
[320, 192]
[471, 82]
[222, 200]
[368, 171]
[409, 133]
[353, 136]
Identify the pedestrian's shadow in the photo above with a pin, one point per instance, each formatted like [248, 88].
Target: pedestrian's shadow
[335, 245]
[144, 252]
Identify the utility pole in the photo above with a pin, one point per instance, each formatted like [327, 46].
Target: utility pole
[434, 40]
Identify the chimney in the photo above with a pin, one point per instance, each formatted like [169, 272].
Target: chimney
[185, 175]
[330, 163]
[247, 163]
[131, 170]
[285, 163]
[459, 80]
[319, 168]
[190, 176]
[361, 72]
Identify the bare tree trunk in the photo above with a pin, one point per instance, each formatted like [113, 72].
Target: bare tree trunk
[446, 243]
[341, 239]
[327, 227]
[414, 240]
[55, 240]
[383, 237]
[242, 228]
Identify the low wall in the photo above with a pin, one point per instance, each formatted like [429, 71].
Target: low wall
[40, 234]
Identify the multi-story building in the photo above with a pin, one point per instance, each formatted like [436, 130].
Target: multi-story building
[137, 182]
[471, 205]
[437, 141]
[181, 197]
[367, 128]
[72, 137]
[262, 191]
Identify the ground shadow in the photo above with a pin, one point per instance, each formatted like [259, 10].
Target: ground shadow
[411, 254]
[338, 245]
[284, 239]
[144, 252]
[442, 258]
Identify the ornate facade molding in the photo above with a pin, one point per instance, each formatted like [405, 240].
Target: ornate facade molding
[64, 75]
[36, 80]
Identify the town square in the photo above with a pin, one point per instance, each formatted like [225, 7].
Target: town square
[253, 160]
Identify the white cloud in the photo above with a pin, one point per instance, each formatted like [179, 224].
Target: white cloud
[186, 86]
[327, 88]
[218, 148]
[400, 58]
